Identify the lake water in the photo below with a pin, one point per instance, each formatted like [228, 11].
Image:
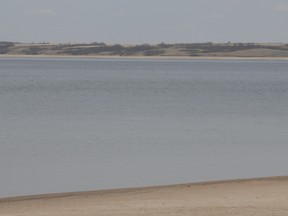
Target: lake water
[86, 124]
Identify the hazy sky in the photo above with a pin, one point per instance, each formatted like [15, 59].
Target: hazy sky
[144, 21]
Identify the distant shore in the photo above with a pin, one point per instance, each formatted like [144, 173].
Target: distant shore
[257, 197]
[207, 50]
[143, 57]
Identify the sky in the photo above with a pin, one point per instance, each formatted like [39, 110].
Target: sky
[143, 21]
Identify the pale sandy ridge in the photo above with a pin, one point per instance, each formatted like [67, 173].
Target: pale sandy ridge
[143, 57]
[262, 196]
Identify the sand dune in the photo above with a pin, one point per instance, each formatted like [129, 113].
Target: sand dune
[257, 197]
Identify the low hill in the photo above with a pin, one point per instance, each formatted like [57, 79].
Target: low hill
[185, 49]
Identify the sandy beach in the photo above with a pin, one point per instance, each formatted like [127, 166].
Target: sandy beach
[257, 197]
[220, 58]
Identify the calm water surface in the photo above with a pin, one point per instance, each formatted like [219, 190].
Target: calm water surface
[85, 124]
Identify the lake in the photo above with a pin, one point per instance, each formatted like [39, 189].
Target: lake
[74, 124]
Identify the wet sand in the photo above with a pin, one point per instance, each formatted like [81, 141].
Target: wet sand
[255, 197]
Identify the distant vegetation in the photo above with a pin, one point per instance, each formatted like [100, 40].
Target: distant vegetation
[162, 49]
[4, 46]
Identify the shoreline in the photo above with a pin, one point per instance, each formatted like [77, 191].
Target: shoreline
[257, 196]
[121, 190]
[145, 57]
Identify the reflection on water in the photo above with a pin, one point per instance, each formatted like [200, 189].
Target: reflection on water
[83, 124]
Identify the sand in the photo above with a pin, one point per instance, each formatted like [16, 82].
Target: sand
[220, 58]
[255, 197]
